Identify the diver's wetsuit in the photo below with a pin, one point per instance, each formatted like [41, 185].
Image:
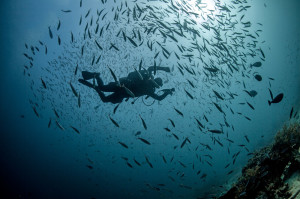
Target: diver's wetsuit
[133, 82]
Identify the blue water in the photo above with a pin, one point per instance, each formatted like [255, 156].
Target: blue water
[42, 162]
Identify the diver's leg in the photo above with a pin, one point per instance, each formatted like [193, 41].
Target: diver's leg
[84, 82]
[102, 96]
[89, 75]
[111, 87]
[99, 80]
[113, 98]
[93, 75]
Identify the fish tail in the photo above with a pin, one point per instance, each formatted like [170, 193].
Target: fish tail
[269, 102]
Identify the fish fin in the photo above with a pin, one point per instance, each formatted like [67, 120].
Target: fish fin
[271, 94]
[269, 102]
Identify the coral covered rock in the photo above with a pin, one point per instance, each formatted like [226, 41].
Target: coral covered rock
[272, 172]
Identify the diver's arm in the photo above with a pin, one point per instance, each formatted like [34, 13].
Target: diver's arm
[164, 95]
[151, 68]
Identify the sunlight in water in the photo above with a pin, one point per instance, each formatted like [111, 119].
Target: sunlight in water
[201, 8]
[209, 3]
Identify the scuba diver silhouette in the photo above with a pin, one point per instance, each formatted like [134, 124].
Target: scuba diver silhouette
[136, 84]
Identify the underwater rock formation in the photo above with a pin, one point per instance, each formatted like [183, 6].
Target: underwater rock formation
[274, 171]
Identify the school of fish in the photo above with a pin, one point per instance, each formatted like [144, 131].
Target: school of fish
[211, 53]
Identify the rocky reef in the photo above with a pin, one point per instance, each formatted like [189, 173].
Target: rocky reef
[273, 171]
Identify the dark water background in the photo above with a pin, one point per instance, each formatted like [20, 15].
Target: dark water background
[41, 162]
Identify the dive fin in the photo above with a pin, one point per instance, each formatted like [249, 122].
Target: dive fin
[88, 75]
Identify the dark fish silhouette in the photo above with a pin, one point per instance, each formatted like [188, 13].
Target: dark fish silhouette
[137, 162]
[218, 95]
[262, 53]
[165, 161]
[73, 90]
[188, 94]
[50, 32]
[213, 70]
[78, 100]
[277, 99]
[124, 145]
[256, 64]
[216, 131]
[173, 124]
[184, 141]
[247, 118]
[114, 122]
[49, 124]
[149, 163]
[115, 109]
[59, 125]
[251, 93]
[138, 133]
[246, 137]
[199, 123]
[145, 141]
[114, 76]
[58, 40]
[175, 136]
[100, 47]
[250, 105]
[179, 112]
[271, 94]
[35, 111]
[291, 114]
[258, 77]
[144, 123]
[76, 130]
[131, 41]
[66, 11]
[167, 129]
[56, 113]
[76, 69]
[129, 165]
[44, 84]
[230, 172]
[58, 25]
[218, 107]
